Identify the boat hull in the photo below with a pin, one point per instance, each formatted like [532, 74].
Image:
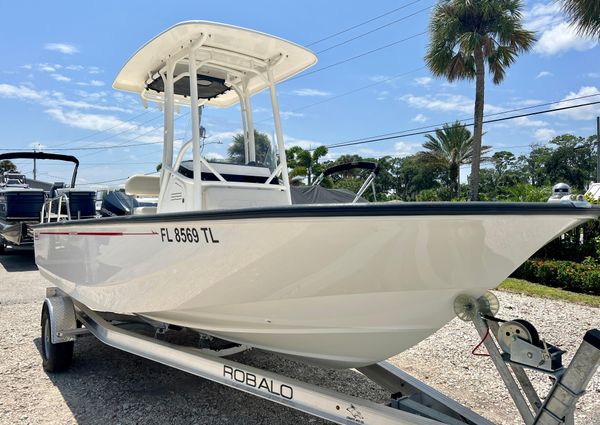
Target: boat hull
[341, 290]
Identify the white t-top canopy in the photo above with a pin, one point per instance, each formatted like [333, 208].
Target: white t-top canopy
[228, 54]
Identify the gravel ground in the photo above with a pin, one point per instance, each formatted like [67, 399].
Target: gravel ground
[105, 385]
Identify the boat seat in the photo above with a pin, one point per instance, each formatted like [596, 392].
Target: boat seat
[54, 189]
[141, 185]
[144, 210]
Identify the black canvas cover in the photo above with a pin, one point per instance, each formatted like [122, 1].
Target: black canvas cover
[320, 195]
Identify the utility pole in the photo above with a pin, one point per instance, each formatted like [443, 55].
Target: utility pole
[35, 166]
[598, 149]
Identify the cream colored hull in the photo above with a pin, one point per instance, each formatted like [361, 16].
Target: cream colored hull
[339, 291]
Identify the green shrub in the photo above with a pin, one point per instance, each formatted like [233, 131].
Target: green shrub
[569, 275]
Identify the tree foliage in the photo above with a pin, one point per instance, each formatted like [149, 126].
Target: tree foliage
[451, 147]
[467, 35]
[305, 163]
[426, 176]
[236, 150]
[585, 15]
[7, 165]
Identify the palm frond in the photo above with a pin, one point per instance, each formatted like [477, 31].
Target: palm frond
[585, 15]
[459, 28]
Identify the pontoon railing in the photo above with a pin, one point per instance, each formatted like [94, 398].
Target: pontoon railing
[47, 214]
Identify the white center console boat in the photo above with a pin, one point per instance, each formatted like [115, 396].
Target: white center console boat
[225, 252]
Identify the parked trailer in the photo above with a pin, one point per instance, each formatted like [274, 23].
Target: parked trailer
[513, 346]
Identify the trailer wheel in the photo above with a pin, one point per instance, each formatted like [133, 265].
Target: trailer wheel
[55, 357]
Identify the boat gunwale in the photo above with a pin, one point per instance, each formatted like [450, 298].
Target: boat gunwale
[346, 210]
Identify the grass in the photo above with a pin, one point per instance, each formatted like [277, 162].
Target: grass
[520, 286]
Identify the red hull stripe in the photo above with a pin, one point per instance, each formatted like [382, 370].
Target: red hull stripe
[100, 233]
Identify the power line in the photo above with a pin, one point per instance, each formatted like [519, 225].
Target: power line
[361, 23]
[329, 99]
[374, 30]
[311, 44]
[135, 126]
[105, 130]
[416, 133]
[116, 146]
[305, 74]
[122, 144]
[421, 132]
[539, 105]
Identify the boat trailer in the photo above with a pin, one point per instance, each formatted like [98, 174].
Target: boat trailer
[513, 346]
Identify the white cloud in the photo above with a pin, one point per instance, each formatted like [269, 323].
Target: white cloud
[222, 136]
[108, 123]
[74, 67]
[60, 77]
[59, 99]
[405, 149]
[593, 75]
[544, 134]
[419, 118]
[527, 122]
[311, 92]
[544, 74]
[53, 99]
[214, 155]
[303, 143]
[542, 15]
[561, 38]
[289, 114]
[92, 96]
[445, 102]
[95, 83]
[20, 92]
[26, 66]
[379, 78]
[382, 95]
[583, 113]
[47, 67]
[65, 48]
[555, 34]
[94, 70]
[423, 81]
[516, 101]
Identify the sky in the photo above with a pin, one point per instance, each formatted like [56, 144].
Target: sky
[57, 67]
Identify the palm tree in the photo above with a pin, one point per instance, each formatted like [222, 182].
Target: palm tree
[467, 34]
[452, 146]
[305, 162]
[236, 150]
[585, 15]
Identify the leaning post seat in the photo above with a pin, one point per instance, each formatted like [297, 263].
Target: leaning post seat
[142, 185]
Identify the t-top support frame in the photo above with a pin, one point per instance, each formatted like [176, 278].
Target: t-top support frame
[197, 55]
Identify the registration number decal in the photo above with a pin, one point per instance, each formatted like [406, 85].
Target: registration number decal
[188, 235]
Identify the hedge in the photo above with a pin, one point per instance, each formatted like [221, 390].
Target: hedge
[576, 277]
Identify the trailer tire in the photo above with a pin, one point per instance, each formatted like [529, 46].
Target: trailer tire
[55, 357]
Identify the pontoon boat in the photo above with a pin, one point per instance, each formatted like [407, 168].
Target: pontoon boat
[22, 200]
